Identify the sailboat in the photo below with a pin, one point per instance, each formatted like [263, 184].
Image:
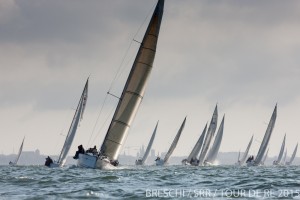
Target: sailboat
[209, 135]
[192, 158]
[18, 156]
[293, 156]
[278, 161]
[130, 99]
[263, 147]
[245, 155]
[164, 161]
[72, 131]
[213, 153]
[143, 160]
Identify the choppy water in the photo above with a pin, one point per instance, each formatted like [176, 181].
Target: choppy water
[150, 182]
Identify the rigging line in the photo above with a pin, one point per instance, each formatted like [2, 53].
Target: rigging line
[118, 73]
[108, 117]
[101, 109]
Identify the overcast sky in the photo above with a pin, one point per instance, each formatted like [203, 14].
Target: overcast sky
[243, 55]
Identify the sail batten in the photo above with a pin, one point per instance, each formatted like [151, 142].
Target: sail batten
[134, 89]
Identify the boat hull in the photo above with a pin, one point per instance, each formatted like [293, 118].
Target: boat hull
[94, 162]
[159, 162]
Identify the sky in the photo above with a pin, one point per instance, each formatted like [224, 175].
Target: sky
[241, 55]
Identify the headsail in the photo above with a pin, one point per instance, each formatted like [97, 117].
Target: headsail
[293, 155]
[213, 153]
[72, 130]
[281, 151]
[245, 155]
[134, 89]
[209, 135]
[149, 145]
[175, 141]
[265, 157]
[194, 153]
[284, 157]
[265, 142]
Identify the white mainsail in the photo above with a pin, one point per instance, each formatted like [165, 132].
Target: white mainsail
[18, 155]
[174, 143]
[293, 156]
[149, 146]
[213, 153]
[281, 151]
[73, 128]
[134, 89]
[209, 135]
[245, 155]
[194, 153]
[284, 157]
[265, 142]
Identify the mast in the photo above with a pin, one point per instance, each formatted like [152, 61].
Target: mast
[149, 145]
[213, 153]
[134, 89]
[175, 141]
[267, 137]
[210, 133]
[281, 150]
[72, 130]
[194, 153]
[245, 155]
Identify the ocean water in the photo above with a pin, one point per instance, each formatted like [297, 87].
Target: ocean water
[150, 182]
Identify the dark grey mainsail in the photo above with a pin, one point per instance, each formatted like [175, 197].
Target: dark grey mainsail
[265, 142]
[134, 89]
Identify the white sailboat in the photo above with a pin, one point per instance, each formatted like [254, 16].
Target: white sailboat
[213, 153]
[293, 156]
[18, 155]
[263, 147]
[130, 99]
[209, 135]
[278, 161]
[72, 131]
[143, 160]
[245, 155]
[192, 158]
[164, 161]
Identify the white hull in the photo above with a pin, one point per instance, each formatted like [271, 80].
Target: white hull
[54, 165]
[139, 162]
[94, 162]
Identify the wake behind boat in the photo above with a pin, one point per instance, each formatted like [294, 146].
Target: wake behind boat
[130, 99]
